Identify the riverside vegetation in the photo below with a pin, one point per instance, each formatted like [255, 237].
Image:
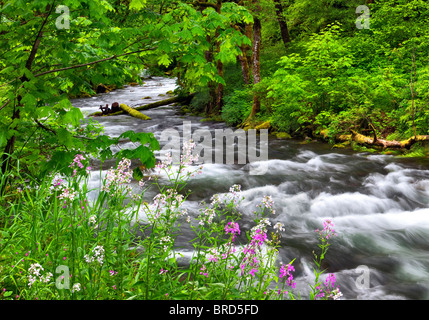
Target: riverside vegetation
[310, 72]
[51, 230]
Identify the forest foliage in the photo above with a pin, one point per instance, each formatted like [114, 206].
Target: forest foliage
[305, 66]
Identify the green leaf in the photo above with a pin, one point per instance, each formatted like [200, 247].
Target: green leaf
[7, 70]
[74, 116]
[29, 100]
[137, 4]
[164, 60]
[137, 174]
[44, 112]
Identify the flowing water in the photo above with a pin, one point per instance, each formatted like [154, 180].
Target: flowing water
[379, 203]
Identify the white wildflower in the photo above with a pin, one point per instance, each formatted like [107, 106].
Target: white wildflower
[76, 287]
[279, 227]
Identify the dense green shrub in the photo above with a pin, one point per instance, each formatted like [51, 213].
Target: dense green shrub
[237, 107]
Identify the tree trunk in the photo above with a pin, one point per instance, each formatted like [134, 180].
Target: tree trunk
[10, 144]
[219, 67]
[219, 89]
[211, 86]
[216, 90]
[244, 67]
[245, 58]
[257, 38]
[282, 23]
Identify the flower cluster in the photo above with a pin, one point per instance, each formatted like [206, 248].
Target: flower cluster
[116, 178]
[166, 242]
[97, 254]
[35, 273]
[162, 271]
[235, 194]
[286, 273]
[187, 159]
[268, 202]
[166, 163]
[57, 182]
[261, 226]
[168, 201]
[233, 228]
[213, 255]
[215, 200]
[233, 197]
[77, 164]
[223, 253]
[67, 194]
[328, 230]
[235, 189]
[76, 287]
[92, 220]
[77, 161]
[204, 271]
[279, 227]
[207, 216]
[329, 290]
[252, 252]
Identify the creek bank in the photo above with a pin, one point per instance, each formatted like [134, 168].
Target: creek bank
[354, 140]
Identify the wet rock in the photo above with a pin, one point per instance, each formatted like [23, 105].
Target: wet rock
[101, 88]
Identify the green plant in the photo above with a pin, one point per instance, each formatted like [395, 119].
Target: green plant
[56, 242]
[237, 107]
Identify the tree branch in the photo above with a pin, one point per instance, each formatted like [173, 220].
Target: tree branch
[38, 39]
[44, 127]
[5, 104]
[91, 63]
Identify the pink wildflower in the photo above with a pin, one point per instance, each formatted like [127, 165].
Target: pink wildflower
[286, 272]
[233, 228]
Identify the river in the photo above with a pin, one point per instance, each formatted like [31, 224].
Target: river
[379, 203]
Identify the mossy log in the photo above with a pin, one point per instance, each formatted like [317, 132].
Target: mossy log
[179, 99]
[375, 141]
[134, 112]
[404, 144]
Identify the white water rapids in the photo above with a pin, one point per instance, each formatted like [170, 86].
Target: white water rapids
[379, 204]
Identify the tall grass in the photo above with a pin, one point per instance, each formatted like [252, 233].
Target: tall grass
[57, 244]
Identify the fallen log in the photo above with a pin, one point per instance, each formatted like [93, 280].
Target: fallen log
[374, 141]
[178, 99]
[394, 144]
[134, 113]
